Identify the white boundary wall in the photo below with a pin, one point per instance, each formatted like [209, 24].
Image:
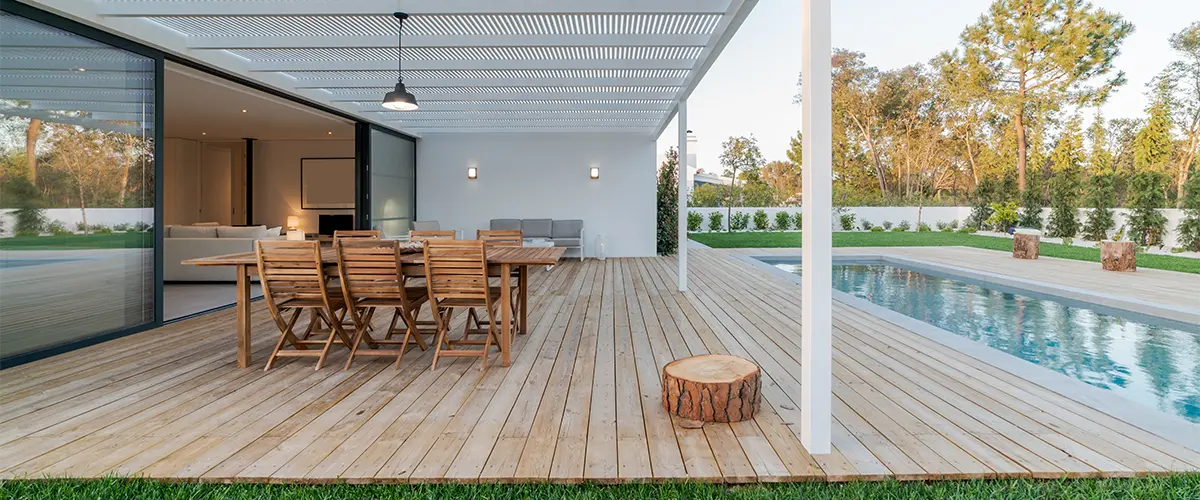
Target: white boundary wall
[928, 215]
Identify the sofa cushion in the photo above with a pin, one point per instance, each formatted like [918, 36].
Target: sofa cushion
[536, 228]
[275, 231]
[566, 242]
[505, 224]
[255, 232]
[194, 231]
[570, 228]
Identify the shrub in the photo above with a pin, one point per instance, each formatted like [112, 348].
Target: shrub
[1178, 250]
[866, 225]
[29, 217]
[124, 226]
[738, 221]
[942, 225]
[761, 221]
[903, 226]
[694, 220]
[876, 229]
[27, 232]
[1031, 208]
[897, 230]
[783, 221]
[923, 228]
[1147, 226]
[1067, 240]
[798, 220]
[667, 235]
[1101, 197]
[947, 229]
[1064, 217]
[101, 229]
[967, 230]
[954, 224]
[1004, 216]
[716, 221]
[847, 221]
[887, 224]
[1189, 226]
[142, 226]
[81, 227]
[58, 228]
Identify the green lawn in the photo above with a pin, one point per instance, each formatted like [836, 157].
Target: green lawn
[1176, 487]
[79, 241]
[933, 239]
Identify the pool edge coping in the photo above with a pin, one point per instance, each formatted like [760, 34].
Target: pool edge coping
[1161, 424]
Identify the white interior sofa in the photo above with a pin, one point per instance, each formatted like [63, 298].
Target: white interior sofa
[181, 243]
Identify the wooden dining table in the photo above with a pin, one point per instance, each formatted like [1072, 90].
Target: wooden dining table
[503, 259]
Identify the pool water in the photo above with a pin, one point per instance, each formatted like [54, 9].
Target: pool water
[1150, 361]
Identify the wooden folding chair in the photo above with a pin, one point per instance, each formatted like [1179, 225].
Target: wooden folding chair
[371, 276]
[457, 278]
[346, 234]
[293, 279]
[502, 238]
[444, 234]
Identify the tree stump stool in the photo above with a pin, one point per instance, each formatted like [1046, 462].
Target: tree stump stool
[1118, 256]
[711, 388]
[1026, 246]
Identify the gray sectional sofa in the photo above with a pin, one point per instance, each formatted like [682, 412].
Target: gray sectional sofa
[563, 233]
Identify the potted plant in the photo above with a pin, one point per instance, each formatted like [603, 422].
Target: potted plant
[1117, 255]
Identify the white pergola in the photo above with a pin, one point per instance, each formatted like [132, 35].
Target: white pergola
[475, 66]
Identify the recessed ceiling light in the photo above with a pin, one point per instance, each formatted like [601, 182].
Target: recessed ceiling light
[243, 111]
[203, 133]
[330, 132]
[82, 69]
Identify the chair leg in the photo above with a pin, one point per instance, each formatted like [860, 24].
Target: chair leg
[285, 335]
[410, 321]
[392, 327]
[360, 333]
[337, 334]
[443, 326]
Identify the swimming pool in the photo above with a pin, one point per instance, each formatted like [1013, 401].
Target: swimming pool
[1148, 360]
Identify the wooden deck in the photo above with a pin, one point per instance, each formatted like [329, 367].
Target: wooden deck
[580, 402]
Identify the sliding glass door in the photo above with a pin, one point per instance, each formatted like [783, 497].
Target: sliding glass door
[77, 187]
[393, 182]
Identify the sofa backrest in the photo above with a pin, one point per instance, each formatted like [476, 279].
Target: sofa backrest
[192, 232]
[224, 232]
[536, 228]
[570, 228]
[505, 224]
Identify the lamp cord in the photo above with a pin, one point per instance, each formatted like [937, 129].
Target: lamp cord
[400, 51]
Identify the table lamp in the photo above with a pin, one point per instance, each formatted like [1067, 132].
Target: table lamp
[294, 231]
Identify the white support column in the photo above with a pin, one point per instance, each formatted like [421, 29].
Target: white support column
[681, 118]
[816, 361]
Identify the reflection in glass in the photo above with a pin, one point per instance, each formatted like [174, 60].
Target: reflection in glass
[76, 187]
[393, 183]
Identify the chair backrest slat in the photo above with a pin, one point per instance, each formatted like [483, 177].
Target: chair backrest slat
[370, 269]
[500, 237]
[347, 234]
[444, 234]
[290, 270]
[456, 269]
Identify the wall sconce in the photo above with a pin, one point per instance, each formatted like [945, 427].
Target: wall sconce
[595, 172]
[472, 172]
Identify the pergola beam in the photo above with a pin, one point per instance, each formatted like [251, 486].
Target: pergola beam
[93, 106]
[639, 130]
[491, 96]
[45, 63]
[500, 105]
[151, 8]
[389, 41]
[88, 122]
[334, 83]
[512, 64]
[68, 94]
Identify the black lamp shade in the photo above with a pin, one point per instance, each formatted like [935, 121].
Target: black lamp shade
[400, 99]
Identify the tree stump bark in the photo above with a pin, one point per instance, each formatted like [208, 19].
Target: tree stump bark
[1118, 256]
[1026, 246]
[711, 388]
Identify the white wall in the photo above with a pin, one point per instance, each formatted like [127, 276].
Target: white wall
[529, 176]
[277, 179]
[931, 216]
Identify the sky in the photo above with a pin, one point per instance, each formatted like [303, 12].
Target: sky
[749, 89]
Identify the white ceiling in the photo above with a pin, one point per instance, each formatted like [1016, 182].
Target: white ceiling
[474, 65]
[199, 106]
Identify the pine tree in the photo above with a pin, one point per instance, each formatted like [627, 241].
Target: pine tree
[1044, 51]
[1101, 192]
[1189, 227]
[1153, 144]
[1064, 183]
[668, 204]
[1147, 226]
